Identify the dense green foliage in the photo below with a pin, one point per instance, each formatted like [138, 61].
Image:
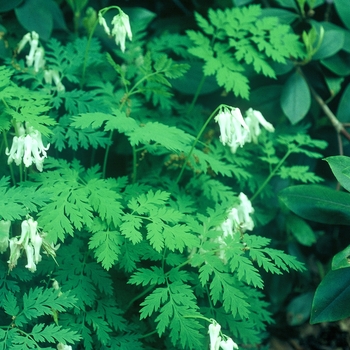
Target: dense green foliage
[154, 201]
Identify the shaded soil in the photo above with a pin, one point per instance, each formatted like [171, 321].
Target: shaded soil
[325, 336]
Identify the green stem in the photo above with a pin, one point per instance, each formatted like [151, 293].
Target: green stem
[10, 165]
[147, 290]
[195, 142]
[87, 54]
[272, 174]
[199, 317]
[134, 164]
[104, 167]
[148, 334]
[196, 95]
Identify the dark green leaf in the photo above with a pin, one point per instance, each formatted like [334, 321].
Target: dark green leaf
[340, 166]
[343, 112]
[331, 301]
[343, 9]
[6, 5]
[295, 98]
[332, 42]
[342, 259]
[318, 203]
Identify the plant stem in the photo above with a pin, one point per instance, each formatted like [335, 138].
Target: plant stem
[104, 167]
[272, 174]
[148, 334]
[195, 142]
[196, 95]
[87, 54]
[10, 165]
[134, 164]
[147, 290]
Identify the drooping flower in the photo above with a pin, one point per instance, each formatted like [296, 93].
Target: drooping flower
[37, 242]
[233, 128]
[39, 61]
[228, 344]
[26, 39]
[28, 148]
[214, 331]
[103, 23]
[239, 217]
[61, 346]
[121, 29]
[235, 131]
[15, 253]
[25, 233]
[34, 43]
[30, 258]
[36, 53]
[245, 209]
[254, 119]
[53, 75]
[4, 235]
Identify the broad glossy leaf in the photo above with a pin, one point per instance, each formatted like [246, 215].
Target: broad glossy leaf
[267, 99]
[331, 301]
[41, 16]
[300, 230]
[343, 112]
[295, 98]
[6, 5]
[340, 166]
[289, 3]
[343, 9]
[318, 203]
[338, 64]
[35, 16]
[342, 259]
[284, 16]
[332, 42]
[299, 309]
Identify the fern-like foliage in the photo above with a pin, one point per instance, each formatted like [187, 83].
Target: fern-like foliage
[237, 37]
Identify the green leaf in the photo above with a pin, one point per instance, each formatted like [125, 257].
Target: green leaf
[343, 10]
[341, 259]
[295, 98]
[340, 166]
[343, 114]
[318, 203]
[331, 297]
[300, 230]
[152, 276]
[9, 303]
[153, 301]
[41, 301]
[99, 325]
[130, 228]
[332, 42]
[53, 333]
[106, 245]
[338, 64]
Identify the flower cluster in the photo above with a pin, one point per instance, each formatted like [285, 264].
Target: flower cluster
[121, 28]
[61, 346]
[52, 75]
[239, 217]
[36, 59]
[30, 241]
[235, 131]
[36, 53]
[27, 147]
[217, 338]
